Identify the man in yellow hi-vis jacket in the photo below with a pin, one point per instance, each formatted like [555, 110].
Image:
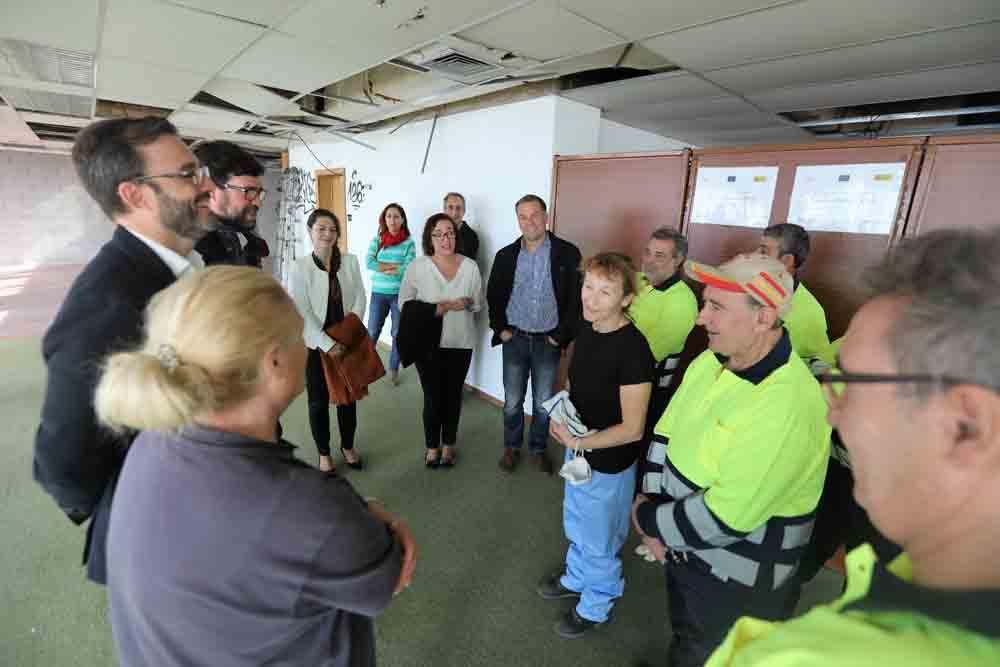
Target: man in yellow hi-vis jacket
[737, 462]
[916, 399]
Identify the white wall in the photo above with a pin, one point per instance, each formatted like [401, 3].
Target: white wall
[267, 217]
[492, 156]
[47, 216]
[617, 138]
[577, 128]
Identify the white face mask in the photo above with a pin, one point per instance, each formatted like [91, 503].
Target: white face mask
[576, 471]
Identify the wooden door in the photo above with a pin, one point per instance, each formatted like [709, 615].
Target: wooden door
[331, 194]
[958, 185]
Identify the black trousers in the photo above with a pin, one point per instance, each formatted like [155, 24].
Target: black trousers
[442, 376]
[703, 608]
[319, 408]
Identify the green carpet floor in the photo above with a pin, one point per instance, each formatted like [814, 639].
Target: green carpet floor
[485, 540]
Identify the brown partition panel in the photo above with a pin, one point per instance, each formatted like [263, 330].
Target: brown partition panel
[787, 158]
[614, 203]
[958, 185]
[837, 260]
[834, 270]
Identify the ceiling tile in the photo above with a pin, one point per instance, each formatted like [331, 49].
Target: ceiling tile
[761, 135]
[644, 90]
[127, 81]
[264, 12]
[811, 26]
[343, 37]
[692, 108]
[251, 97]
[286, 62]
[948, 47]
[171, 36]
[216, 120]
[542, 30]
[66, 24]
[639, 19]
[944, 81]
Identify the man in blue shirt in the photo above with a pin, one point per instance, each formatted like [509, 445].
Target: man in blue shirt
[534, 303]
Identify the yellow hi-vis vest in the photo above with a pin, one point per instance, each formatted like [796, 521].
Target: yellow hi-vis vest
[806, 324]
[744, 455]
[665, 318]
[882, 619]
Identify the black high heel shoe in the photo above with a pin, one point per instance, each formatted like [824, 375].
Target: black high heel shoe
[357, 463]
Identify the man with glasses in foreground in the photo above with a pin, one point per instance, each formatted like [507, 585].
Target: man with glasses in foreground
[916, 400]
[235, 202]
[151, 186]
[737, 462]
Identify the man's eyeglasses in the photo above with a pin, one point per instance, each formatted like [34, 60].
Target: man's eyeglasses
[835, 381]
[197, 175]
[250, 193]
[445, 235]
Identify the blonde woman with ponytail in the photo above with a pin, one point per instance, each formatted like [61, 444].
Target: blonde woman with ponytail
[223, 548]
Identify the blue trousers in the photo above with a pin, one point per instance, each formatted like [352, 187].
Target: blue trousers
[596, 518]
[524, 355]
[381, 305]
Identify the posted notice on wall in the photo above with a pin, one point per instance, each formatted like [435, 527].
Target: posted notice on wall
[855, 198]
[739, 196]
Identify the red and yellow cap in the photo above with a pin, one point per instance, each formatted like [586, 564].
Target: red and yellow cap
[764, 279]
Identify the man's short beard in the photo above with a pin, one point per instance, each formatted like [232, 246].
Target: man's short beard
[184, 218]
[237, 223]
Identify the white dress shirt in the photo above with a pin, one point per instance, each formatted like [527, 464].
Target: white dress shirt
[174, 261]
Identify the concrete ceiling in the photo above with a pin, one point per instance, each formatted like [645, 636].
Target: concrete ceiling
[737, 64]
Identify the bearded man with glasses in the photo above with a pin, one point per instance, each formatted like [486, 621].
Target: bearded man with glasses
[151, 186]
[916, 400]
[235, 203]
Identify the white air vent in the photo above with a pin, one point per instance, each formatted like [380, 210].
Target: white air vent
[44, 63]
[460, 65]
[31, 62]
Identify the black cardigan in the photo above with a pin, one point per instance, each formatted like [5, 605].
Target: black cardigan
[419, 334]
[565, 266]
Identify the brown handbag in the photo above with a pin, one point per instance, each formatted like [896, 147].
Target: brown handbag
[349, 374]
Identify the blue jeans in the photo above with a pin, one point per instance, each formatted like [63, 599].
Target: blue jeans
[526, 354]
[596, 518]
[381, 306]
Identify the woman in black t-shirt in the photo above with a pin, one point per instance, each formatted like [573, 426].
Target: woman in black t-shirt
[610, 378]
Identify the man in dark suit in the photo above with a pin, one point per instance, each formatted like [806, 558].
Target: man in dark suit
[235, 203]
[534, 303]
[147, 181]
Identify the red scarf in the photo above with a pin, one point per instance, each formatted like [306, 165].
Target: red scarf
[387, 239]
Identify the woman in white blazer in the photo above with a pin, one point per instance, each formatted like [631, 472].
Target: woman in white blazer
[326, 285]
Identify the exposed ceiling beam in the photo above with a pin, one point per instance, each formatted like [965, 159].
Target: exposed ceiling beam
[910, 115]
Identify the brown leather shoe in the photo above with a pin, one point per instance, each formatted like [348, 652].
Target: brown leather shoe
[509, 460]
[542, 462]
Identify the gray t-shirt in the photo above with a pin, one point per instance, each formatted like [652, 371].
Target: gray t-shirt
[224, 550]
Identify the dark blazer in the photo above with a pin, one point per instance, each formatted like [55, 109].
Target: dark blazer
[565, 265]
[467, 243]
[76, 461]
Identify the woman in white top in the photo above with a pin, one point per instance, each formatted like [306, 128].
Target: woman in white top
[454, 284]
[326, 286]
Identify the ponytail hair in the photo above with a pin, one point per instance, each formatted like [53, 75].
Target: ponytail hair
[205, 337]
